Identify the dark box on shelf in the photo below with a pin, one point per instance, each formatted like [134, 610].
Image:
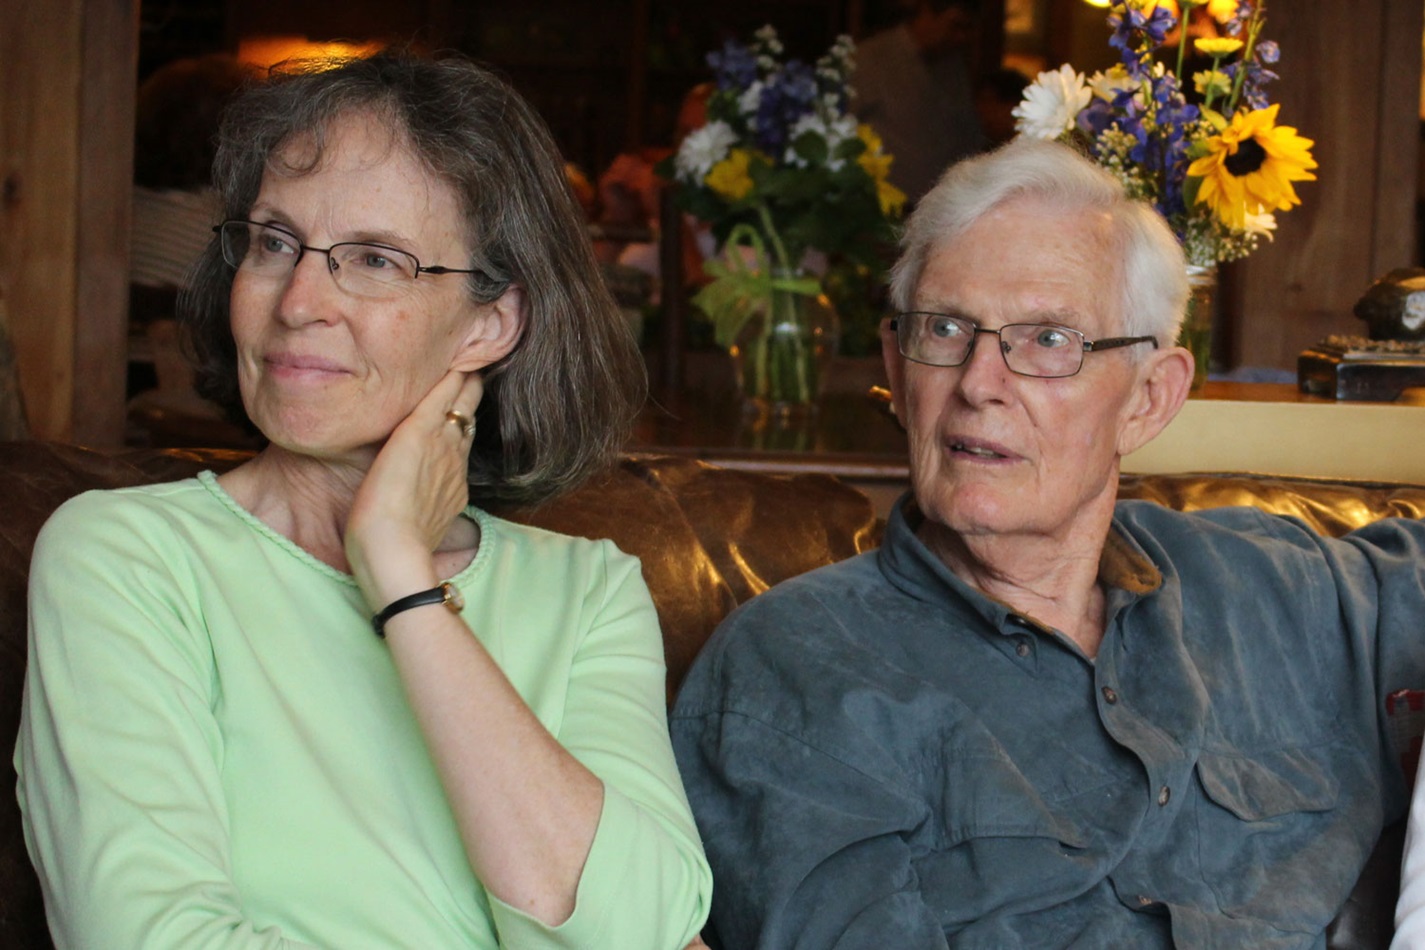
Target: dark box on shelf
[1354, 368]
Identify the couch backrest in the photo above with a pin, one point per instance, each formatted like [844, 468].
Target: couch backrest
[709, 538]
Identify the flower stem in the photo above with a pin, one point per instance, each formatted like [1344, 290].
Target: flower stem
[1183, 37]
[1254, 29]
[778, 248]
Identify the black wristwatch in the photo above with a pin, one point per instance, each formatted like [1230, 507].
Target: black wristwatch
[446, 594]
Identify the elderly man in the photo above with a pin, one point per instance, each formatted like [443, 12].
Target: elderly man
[1037, 717]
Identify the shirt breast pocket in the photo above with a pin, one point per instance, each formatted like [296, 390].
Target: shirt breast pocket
[1264, 834]
[1002, 845]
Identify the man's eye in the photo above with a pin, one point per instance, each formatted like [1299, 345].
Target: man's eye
[946, 329]
[1051, 338]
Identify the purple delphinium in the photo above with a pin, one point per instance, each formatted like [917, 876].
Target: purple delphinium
[1265, 53]
[1135, 36]
[1238, 19]
[1174, 117]
[787, 95]
[735, 67]
[1097, 116]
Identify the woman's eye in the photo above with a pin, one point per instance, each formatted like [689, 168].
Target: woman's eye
[272, 243]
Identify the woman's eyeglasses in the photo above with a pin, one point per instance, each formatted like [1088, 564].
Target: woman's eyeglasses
[360, 269]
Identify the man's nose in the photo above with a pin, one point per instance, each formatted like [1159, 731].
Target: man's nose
[984, 372]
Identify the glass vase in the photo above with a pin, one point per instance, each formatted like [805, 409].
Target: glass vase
[782, 353]
[1196, 333]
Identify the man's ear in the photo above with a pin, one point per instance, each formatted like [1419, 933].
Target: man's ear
[895, 368]
[494, 332]
[1159, 392]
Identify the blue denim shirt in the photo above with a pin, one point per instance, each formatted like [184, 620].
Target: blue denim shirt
[879, 756]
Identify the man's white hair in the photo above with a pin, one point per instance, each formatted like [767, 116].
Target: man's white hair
[1152, 268]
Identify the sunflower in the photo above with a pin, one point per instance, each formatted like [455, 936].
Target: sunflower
[1250, 166]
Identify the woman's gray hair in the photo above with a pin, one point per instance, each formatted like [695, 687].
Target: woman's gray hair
[1154, 276]
[560, 406]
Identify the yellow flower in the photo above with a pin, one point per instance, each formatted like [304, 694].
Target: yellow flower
[1148, 6]
[1212, 83]
[1249, 168]
[877, 166]
[1222, 10]
[1217, 46]
[729, 177]
[891, 198]
[876, 163]
[868, 135]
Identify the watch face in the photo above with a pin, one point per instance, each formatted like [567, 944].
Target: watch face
[453, 598]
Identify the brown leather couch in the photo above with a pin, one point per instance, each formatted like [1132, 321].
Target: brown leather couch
[709, 538]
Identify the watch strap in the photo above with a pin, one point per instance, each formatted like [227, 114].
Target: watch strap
[444, 593]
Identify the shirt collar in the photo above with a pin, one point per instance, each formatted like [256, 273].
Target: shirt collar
[913, 568]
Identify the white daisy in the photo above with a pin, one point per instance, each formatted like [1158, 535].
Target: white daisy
[1260, 225]
[1051, 103]
[834, 132]
[750, 99]
[703, 149]
[1107, 84]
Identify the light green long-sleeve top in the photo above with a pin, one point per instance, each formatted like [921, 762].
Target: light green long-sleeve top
[215, 750]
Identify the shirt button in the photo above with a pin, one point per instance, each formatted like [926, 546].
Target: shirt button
[1021, 648]
[1144, 900]
[1109, 696]
[1164, 794]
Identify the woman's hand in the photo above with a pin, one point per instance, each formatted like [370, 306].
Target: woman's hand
[414, 491]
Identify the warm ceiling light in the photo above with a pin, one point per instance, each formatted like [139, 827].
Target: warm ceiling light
[265, 51]
[1097, 3]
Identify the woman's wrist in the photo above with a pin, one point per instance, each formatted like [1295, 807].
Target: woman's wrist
[392, 571]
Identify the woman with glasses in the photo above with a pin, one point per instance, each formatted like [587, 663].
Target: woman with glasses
[322, 699]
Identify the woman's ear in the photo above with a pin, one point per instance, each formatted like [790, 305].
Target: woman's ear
[1161, 389]
[494, 332]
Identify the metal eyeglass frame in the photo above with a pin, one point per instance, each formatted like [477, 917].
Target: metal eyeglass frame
[1085, 345]
[332, 265]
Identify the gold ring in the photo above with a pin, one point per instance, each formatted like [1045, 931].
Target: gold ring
[457, 418]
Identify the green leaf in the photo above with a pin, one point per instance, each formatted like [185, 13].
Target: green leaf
[1216, 119]
[811, 148]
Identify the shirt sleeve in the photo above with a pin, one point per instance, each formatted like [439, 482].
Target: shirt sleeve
[1380, 600]
[810, 822]
[809, 852]
[118, 751]
[1410, 910]
[646, 882]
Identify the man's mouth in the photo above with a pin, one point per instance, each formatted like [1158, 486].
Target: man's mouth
[975, 449]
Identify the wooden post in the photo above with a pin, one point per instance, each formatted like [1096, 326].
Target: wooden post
[1355, 220]
[67, 86]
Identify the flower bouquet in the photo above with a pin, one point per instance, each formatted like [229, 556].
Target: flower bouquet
[1217, 166]
[781, 170]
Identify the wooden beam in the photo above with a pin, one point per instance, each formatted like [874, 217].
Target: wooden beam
[39, 135]
[67, 85]
[108, 74]
[1397, 153]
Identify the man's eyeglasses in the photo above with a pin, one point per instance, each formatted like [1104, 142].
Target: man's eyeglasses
[1030, 349]
[360, 269]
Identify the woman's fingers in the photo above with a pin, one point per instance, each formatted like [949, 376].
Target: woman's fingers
[461, 413]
